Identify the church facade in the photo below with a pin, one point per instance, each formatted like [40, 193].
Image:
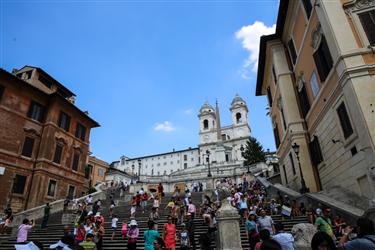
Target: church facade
[218, 144]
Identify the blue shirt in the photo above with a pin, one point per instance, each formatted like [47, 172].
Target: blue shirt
[361, 243]
[150, 236]
[251, 225]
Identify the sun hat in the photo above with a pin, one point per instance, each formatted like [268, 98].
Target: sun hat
[97, 214]
[133, 223]
[89, 213]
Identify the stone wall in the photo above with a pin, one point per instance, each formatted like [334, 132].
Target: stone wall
[56, 206]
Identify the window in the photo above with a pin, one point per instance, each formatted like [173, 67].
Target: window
[269, 96]
[308, 7]
[71, 192]
[51, 188]
[314, 84]
[185, 165]
[58, 152]
[323, 59]
[45, 81]
[158, 173]
[88, 171]
[346, 126]
[303, 99]
[315, 151]
[354, 150]
[205, 124]
[283, 117]
[277, 137]
[1, 91]
[80, 131]
[75, 161]
[292, 51]
[19, 184]
[64, 121]
[192, 159]
[368, 23]
[165, 163]
[238, 118]
[224, 137]
[285, 177]
[292, 163]
[185, 157]
[28, 146]
[274, 74]
[27, 74]
[36, 111]
[100, 172]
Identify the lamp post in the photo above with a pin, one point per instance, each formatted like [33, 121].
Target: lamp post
[242, 154]
[303, 189]
[208, 163]
[131, 181]
[139, 169]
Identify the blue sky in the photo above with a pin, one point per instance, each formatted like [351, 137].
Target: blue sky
[143, 68]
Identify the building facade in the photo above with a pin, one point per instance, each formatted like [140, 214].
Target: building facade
[318, 73]
[218, 145]
[44, 140]
[96, 169]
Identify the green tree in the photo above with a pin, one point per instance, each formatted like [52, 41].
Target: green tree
[253, 152]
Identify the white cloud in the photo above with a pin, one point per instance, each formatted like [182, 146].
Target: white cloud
[250, 37]
[165, 126]
[188, 111]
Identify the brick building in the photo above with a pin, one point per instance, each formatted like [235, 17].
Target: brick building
[97, 169]
[318, 72]
[44, 140]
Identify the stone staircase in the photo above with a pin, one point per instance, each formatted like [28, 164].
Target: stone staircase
[54, 231]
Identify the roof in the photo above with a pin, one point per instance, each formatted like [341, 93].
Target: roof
[172, 152]
[237, 99]
[52, 95]
[283, 9]
[65, 89]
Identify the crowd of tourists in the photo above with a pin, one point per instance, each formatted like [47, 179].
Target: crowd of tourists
[254, 205]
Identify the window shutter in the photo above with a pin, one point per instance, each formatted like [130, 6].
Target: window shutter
[304, 101]
[28, 146]
[315, 151]
[308, 7]
[346, 126]
[368, 24]
[292, 51]
[323, 60]
[277, 137]
[269, 95]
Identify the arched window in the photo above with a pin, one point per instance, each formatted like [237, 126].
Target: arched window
[238, 118]
[205, 124]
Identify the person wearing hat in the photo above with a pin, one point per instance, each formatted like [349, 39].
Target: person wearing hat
[88, 243]
[133, 234]
[252, 229]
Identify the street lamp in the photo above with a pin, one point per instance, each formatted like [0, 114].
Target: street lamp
[303, 189]
[139, 169]
[208, 163]
[242, 154]
[131, 181]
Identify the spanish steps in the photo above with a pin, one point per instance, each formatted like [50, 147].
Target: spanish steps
[54, 231]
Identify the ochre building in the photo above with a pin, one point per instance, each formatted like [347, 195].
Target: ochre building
[44, 140]
[318, 72]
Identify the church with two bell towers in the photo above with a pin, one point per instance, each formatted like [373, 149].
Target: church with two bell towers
[223, 143]
[220, 145]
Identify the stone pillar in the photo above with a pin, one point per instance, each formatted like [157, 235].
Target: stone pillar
[209, 183]
[228, 235]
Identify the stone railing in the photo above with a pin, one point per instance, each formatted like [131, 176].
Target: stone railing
[56, 206]
[313, 200]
